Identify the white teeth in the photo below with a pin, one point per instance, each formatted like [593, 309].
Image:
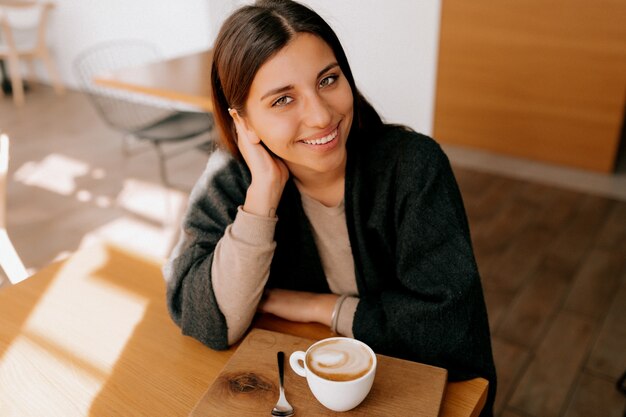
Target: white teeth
[323, 140]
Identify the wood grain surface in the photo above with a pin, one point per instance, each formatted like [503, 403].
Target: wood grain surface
[91, 336]
[534, 79]
[248, 384]
[185, 79]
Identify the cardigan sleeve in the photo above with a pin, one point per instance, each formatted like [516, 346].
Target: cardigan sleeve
[431, 308]
[241, 266]
[213, 204]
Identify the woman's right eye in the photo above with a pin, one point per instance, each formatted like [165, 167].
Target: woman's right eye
[282, 101]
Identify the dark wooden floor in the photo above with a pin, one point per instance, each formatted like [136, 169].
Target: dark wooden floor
[553, 261]
[553, 264]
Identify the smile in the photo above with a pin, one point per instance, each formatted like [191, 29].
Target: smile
[322, 141]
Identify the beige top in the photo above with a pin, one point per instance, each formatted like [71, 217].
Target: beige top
[242, 258]
[330, 233]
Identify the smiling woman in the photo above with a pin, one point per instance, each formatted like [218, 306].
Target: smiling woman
[317, 211]
[305, 123]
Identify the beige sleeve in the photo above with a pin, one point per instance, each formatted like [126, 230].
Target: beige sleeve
[346, 316]
[240, 269]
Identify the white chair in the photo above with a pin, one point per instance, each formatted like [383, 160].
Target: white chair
[23, 28]
[10, 262]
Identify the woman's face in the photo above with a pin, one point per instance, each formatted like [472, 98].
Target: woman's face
[301, 107]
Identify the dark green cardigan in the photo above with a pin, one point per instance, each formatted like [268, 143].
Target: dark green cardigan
[420, 292]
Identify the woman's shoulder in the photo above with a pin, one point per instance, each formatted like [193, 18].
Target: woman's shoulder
[404, 138]
[221, 165]
[401, 145]
[222, 173]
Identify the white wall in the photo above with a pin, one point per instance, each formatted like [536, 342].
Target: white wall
[175, 26]
[392, 49]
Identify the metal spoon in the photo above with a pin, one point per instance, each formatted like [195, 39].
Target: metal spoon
[282, 407]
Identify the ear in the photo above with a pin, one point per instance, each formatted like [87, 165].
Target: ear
[243, 127]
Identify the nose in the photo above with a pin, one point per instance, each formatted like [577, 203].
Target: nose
[317, 112]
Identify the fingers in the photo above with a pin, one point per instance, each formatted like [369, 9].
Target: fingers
[256, 155]
[243, 132]
[269, 173]
[299, 306]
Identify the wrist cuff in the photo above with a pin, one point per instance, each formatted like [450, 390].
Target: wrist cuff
[253, 229]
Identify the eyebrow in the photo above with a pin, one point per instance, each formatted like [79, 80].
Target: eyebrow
[289, 87]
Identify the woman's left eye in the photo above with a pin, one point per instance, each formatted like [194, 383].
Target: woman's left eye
[328, 80]
[282, 101]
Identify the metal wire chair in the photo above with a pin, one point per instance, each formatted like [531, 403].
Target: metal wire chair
[131, 114]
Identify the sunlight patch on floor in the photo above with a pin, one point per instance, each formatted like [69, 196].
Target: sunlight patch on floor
[151, 213]
[151, 201]
[135, 235]
[55, 173]
[150, 224]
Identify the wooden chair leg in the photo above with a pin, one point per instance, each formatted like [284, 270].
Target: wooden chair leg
[54, 73]
[2, 73]
[32, 71]
[16, 80]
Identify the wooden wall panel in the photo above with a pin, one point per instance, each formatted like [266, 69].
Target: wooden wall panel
[537, 79]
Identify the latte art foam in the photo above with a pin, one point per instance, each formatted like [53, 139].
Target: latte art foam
[339, 360]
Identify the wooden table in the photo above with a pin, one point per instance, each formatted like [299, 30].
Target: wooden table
[91, 336]
[186, 79]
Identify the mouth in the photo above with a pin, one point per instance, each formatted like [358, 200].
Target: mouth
[323, 139]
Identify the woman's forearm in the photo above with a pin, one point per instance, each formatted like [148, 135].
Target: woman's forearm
[240, 269]
[263, 199]
[299, 306]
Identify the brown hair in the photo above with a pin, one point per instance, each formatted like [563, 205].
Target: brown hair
[251, 36]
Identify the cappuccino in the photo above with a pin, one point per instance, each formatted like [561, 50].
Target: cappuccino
[339, 360]
[339, 371]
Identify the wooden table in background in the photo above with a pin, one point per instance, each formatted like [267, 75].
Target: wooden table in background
[91, 336]
[186, 79]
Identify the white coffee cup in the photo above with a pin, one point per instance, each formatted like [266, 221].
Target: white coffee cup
[339, 371]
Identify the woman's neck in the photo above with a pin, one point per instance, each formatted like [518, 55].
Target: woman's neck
[327, 188]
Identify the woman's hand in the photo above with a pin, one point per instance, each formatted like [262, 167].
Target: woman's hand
[269, 173]
[299, 305]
